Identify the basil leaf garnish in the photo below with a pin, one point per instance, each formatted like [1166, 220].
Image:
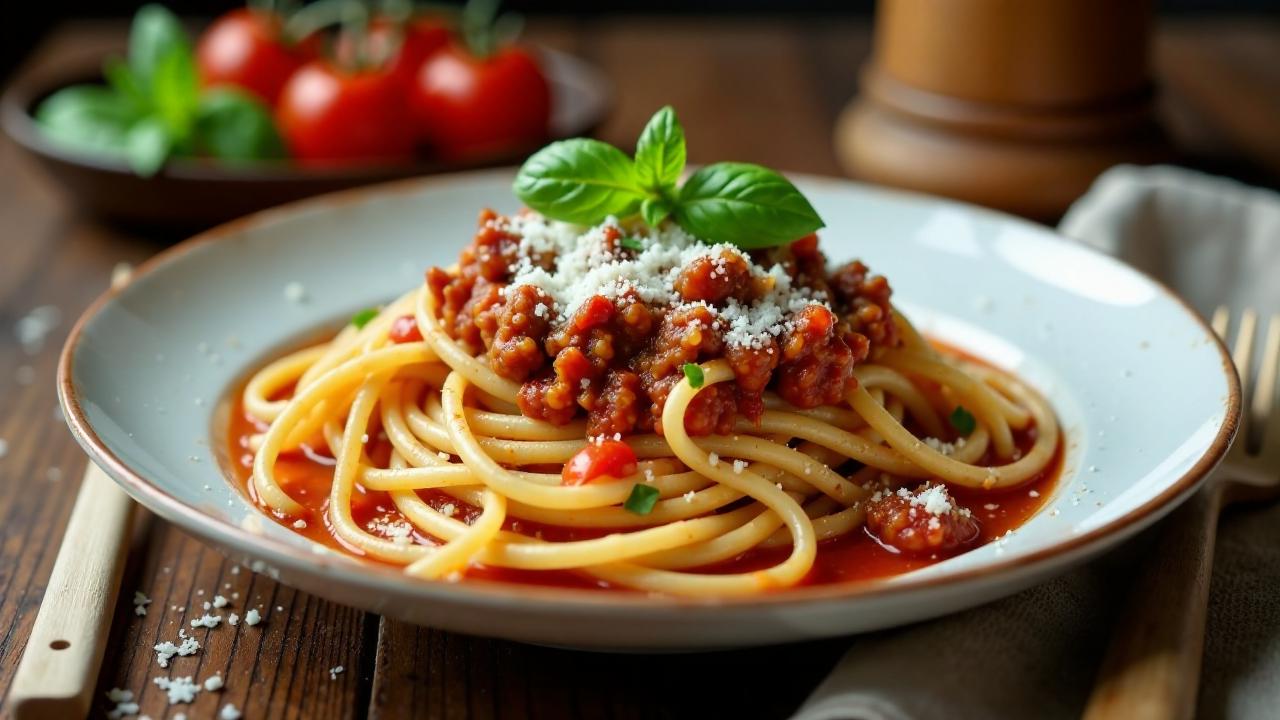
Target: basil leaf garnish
[745, 204]
[584, 181]
[660, 152]
[579, 181]
[655, 210]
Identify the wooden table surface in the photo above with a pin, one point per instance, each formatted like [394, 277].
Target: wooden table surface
[759, 89]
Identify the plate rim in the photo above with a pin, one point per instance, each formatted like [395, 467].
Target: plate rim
[277, 552]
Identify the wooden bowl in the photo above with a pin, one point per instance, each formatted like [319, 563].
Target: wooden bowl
[190, 193]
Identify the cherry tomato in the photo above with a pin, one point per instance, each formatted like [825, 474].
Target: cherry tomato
[471, 108]
[613, 458]
[245, 48]
[405, 329]
[328, 116]
[418, 40]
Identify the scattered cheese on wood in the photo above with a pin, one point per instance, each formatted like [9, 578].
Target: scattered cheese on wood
[178, 689]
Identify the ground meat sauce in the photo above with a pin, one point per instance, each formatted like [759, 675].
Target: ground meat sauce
[926, 521]
[777, 316]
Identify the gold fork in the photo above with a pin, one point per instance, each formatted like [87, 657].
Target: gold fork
[1152, 668]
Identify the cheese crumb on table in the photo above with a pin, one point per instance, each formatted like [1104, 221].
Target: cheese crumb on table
[140, 603]
[166, 650]
[253, 617]
[230, 712]
[213, 683]
[207, 621]
[219, 601]
[179, 689]
[233, 619]
[334, 672]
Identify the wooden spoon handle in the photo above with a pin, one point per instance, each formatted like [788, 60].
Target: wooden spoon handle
[1152, 668]
[59, 668]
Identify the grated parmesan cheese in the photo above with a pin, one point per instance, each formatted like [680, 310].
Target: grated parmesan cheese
[585, 266]
[396, 530]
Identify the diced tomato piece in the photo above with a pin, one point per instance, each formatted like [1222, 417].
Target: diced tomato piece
[613, 458]
[806, 246]
[594, 312]
[405, 329]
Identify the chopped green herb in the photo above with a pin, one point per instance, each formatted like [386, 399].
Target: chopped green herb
[363, 317]
[693, 372]
[631, 243]
[642, 499]
[963, 421]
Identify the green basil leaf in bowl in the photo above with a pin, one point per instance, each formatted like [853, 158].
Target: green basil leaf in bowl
[88, 118]
[231, 125]
[147, 146]
[155, 34]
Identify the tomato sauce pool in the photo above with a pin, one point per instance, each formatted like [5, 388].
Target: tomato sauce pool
[856, 556]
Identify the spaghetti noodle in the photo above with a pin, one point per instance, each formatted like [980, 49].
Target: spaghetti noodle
[639, 408]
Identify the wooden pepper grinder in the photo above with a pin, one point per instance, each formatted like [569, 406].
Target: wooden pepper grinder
[1014, 104]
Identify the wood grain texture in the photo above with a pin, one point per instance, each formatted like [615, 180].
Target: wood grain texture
[1151, 667]
[760, 89]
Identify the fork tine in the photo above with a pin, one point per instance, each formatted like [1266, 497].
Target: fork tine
[1265, 413]
[1242, 356]
[1221, 317]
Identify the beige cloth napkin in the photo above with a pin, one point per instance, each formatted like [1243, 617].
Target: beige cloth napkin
[1035, 655]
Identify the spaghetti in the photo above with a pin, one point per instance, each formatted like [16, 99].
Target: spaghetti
[644, 411]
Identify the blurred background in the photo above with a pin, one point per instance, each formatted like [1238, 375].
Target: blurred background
[17, 39]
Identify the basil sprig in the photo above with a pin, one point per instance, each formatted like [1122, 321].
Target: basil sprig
[584, 181]
[152, 107]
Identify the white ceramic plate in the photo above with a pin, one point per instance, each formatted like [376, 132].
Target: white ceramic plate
[1146, 395]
